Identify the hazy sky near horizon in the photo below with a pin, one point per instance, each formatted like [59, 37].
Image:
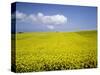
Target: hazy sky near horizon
[51, 17]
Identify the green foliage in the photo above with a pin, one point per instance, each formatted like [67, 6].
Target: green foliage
[46, 51]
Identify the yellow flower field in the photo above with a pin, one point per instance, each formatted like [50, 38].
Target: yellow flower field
[46, 51]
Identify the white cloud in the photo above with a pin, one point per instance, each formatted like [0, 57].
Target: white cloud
[50, 27]
[20, 15]
[49, 20]
[54, 20]
[40, 15]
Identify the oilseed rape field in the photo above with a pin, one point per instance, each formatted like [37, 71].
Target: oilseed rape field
[46, 51]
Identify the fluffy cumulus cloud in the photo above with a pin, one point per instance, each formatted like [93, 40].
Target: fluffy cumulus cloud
[49, 20]
[20, 16]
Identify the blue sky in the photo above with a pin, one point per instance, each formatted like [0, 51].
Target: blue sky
[50, 17]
